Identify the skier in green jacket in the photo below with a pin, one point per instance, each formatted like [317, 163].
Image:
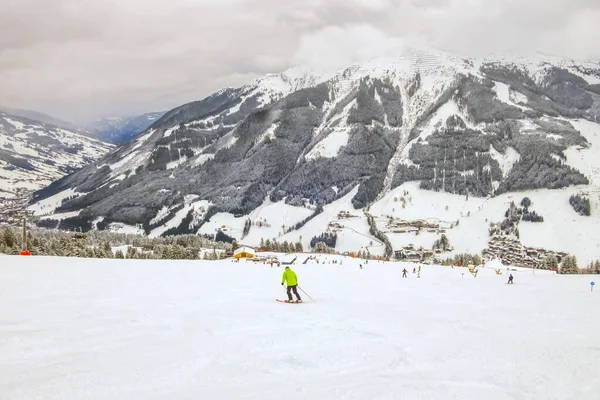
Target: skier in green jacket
[290, 277]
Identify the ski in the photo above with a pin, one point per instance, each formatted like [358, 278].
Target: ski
[287, 301]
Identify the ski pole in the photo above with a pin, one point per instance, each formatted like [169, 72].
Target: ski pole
[313, 300]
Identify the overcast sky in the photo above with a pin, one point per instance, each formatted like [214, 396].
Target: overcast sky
[77, 59]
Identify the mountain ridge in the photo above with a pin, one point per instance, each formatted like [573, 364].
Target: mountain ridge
[472, 127]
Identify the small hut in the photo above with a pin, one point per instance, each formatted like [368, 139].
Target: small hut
[244, 252]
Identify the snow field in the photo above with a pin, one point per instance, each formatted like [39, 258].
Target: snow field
[47, 206]
[353, 237]
[562, 230]
[98, 329]
[199, 209]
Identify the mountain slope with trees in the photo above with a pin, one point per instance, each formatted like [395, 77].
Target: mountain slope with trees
[476, 128]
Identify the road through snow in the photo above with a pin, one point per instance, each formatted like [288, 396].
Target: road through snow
[113, 329]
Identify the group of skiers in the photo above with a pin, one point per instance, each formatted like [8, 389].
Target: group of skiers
[290, 277]
[405, 272]
[418, 272]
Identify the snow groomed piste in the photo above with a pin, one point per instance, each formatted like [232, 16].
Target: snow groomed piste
[124, 329]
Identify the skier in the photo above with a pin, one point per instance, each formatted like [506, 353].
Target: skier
[404, 273]
[290, 277]
[414, 270]
[510, 279]
[360, 266]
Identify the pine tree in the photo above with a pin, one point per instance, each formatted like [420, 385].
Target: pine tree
[299, 248]
[119, 254]
[29, 241]
[550, 262]
[262, 244]
[569, 265]
[131, 252]
[9, 237]
[444, 242]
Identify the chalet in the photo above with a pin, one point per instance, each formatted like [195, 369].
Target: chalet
[244, 252]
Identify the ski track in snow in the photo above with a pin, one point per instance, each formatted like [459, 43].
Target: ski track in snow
[100, 329]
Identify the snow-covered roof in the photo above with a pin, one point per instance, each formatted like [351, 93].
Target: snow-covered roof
[244, 249]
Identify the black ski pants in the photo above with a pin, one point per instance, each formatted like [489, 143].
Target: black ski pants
[289, 292]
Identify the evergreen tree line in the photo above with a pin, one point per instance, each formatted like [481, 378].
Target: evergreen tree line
[581, 205]
[595, 265]
[569, 266]
[373, 230]
[532, 216]
[514, 215]
[222, 237]
[99, 244]
[329, 239]
[284, 247]
[463, 259]
[526, 215]
[247, 226]
[321, 247]
[364, 255]
[550, 262]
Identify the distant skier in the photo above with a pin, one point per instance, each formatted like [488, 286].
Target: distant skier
[414, 270]
[360, 265]
[404, 273]
[510, 279]
[290, 277]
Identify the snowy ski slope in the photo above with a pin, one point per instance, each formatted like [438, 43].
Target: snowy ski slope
[110, 329]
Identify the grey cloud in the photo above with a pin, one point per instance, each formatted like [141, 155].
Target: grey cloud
[81, 58]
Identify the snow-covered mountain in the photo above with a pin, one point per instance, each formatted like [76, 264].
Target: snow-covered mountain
[365, 142]
[119, 130]
[34, 154]
[41, 117]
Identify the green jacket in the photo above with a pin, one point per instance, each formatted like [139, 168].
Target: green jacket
[290, 277]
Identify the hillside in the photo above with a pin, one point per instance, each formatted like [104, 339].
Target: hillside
[470, 134]
[33, 154]
[99, 329]
[40, 117]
